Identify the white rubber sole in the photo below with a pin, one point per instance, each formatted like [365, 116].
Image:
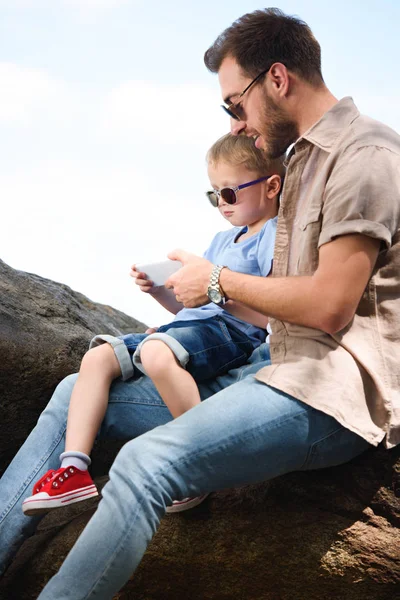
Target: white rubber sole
[42, 502]
[185, 504]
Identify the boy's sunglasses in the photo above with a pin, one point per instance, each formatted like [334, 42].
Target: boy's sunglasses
[228, 194]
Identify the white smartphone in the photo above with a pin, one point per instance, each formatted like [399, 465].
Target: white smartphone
[159, 272]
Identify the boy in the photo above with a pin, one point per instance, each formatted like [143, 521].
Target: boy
[199, 344]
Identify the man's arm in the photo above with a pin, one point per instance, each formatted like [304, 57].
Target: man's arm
[239, 310]
[327, 300]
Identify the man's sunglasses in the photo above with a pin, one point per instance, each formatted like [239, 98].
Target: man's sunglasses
[233, 109]
[228, 194]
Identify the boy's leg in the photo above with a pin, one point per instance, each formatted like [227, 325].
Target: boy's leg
[134, 408]
[89, 398]
[71, 482]
[246, 433]
[175, 385]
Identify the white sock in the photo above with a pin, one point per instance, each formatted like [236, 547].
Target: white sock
[77, 459]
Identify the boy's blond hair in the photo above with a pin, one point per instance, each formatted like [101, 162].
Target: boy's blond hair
[240, 150]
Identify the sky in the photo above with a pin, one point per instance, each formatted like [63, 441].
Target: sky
[107, 112]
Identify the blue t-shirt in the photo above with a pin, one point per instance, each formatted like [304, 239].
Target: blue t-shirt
[252, 256]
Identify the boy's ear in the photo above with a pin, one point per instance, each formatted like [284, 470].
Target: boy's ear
[273, 186]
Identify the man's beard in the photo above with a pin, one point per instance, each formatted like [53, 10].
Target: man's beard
[278, 132]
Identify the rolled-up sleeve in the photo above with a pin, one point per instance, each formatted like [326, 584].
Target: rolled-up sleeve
[361, 195]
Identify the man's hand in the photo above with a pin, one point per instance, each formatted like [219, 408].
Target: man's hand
[190, 283]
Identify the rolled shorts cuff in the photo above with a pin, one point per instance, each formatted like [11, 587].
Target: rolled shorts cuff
[120, 350]
[179, 351]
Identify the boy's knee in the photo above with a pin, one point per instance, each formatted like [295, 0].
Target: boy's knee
[157, 357]
[101, 359]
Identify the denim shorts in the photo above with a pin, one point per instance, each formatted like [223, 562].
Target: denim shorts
[206, 348]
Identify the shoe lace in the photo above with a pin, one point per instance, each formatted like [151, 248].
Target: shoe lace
[44, 481]
[59, 478]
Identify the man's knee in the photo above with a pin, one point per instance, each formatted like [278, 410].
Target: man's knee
[157, 358]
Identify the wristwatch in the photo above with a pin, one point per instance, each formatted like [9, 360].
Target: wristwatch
[214, 291]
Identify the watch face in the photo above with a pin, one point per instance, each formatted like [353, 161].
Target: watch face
[214, 295]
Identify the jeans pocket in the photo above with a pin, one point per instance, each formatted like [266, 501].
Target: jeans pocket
[224, 328]
[336, 448]
[237, 337]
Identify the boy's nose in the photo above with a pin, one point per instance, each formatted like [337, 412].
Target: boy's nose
[221, 202]
[237, 127]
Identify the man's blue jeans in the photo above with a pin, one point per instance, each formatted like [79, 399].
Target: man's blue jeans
[245, 433]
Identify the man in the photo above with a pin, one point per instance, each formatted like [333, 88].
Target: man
[330, 389]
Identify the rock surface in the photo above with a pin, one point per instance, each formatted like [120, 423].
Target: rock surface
[305, 536]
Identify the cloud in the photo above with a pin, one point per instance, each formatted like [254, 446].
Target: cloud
[87, 12]
[80, 5]
[94, 4]
[184, 113]
[28, 94]
[139, 111]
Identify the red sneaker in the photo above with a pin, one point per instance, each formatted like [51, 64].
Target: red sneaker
[185, 504]
[59, 488]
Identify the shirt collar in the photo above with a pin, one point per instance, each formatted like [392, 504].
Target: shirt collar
[327, 129]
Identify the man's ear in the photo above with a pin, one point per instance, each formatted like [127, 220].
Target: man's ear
[279, 80]
[273, 186]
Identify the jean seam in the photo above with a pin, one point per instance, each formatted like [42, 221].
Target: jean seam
[211, 348]
[226, 366]
[139, 401]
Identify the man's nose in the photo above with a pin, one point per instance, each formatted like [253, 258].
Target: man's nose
[237, 127]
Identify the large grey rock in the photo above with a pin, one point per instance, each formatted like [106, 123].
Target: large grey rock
[305, 536]
[45, 328]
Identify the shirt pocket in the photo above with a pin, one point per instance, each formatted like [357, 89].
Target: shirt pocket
[310, 230]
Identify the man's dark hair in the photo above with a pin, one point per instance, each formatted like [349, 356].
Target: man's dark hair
[259, 39]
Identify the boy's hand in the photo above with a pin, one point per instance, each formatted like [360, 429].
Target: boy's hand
[191, 282]
[151, 330]
[146, 285]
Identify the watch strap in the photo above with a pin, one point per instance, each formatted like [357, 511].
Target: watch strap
[214, 285]
[214, 277]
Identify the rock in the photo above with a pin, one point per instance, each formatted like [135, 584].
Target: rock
[45, 329]
[315, 535]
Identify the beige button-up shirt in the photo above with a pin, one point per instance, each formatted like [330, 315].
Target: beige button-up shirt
[343, 177]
